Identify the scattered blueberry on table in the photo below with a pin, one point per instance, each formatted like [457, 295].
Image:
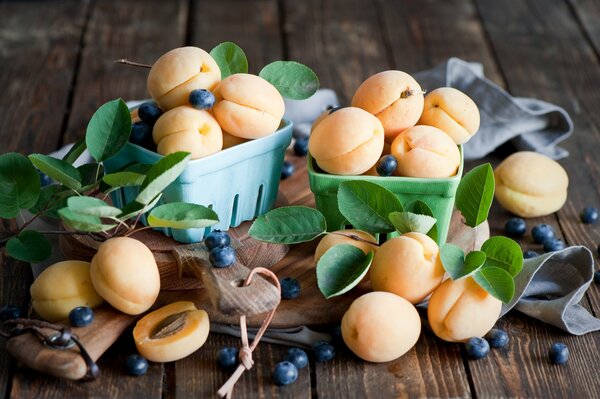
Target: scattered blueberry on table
[45, 180]
[323, 351]
[81, 316]
[287, 169]
[285, 373]
[386, 165]
[217, 239]
[222, 257]
[301, 146]
[149, 112]
[497, 338]
[542, 232]
[298, 357]
[559, 353]
[554, 244]
[530, 254]
[9, 312]
[227, 357]
[597, 277]
[202, 99]
[290, 288]
[477, 348]
[515, 227]
[136, 365]
[141, 133]
[589, 215]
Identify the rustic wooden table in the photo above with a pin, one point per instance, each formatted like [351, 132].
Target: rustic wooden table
[55, 69]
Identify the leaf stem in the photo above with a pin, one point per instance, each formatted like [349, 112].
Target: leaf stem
[127, 234]
[132, 63]
[354, 237]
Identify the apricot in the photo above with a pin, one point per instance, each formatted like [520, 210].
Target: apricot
[247, 106]
[380, 327]
[349, 141]
[425, 151]
[409, 266]
[333, 238]
[230, 140]
[171, 332]
[62, 287]
[392, 96]
[187, 129]
[125, 274]
[180, 71]
[461, 309]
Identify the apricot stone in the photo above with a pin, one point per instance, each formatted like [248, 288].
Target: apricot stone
[125, 274]
[408, 266]
[392, 96]
[247, 106]
[460, 309]
[187, 129]
[347, 142]
[425, 151]
[333, 238]
[380, 327]
[180, 71]
[171, 332]
[62, 287]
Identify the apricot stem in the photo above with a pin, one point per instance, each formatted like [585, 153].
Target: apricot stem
[354, 237]
[407, 93]
[132, 63]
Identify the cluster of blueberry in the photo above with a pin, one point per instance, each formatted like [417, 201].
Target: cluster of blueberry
[541, 234]
[221, 253]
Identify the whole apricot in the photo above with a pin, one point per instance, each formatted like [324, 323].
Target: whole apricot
[230, 140]
[334, 238]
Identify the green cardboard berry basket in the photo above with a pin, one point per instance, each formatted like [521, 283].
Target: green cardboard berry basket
[238, 183]
[438, 194]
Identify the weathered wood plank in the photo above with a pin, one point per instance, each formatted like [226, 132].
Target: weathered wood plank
[588, 12]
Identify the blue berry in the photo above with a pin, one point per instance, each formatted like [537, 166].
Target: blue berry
[149, 112]
[45, 180]
[217, 239]
[387, 165]
[298, 357]
[285, 373]
[477, 348]
[287, 169]
[222, 257]
[530, 254]
[9, 312]
[136, 365]
[290, 288]
[559, 353]
[323, 351]
[554, 244]
[301, 146]
[141, 133]
[597, 277]
[336, 335]
[227, 357]
[589, 215]
[81, 316]
[541, 233]
[497, 338]
[332, 109]
[202, 99]
[515, 227]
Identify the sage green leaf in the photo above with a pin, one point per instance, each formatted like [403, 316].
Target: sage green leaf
[141, 168]
[135, 208]
[59, 170]
[497, 282]
[504, 253]
[289, 225]
[29, 246]
[475, 194]
[473, 261]
[92, 206]
[341, 268]
[405, 222]
[367, 206]
[161, 174]
[81, 222]
[124, 179]
[19, 184]
[181, 215]
[108, 130]
[230, 58]
[293, 79]
[453, 260]
[75, 151]
[51, 199]
[422, 208]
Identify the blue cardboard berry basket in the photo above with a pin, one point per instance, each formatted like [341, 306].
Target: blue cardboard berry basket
[238, 183]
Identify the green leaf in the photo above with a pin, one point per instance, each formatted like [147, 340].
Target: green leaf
[341, 268]
[90, 172]
[292, 79]
[367, 206]
[504, 253]
[422, 208]
[475, 194]
[405, 222]
[108, 130]
[59, 170]
[29, 246]
[497, 282]
[230, 58]
[134, 208]
[92, 206]
[473, 261]
[162, 173]
[289, 225]
[52, 198]
[75, 151]
[124, 179]
[453, 260]
[80, 222]
[181, 215]
[19, 184]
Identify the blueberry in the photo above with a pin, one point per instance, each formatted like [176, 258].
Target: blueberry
[541, 233]
[497, 338]
[222, 257]
[217, 239]
[202, 99]
[301, 146]
[323, 351]
[9, 312]
[477, 348]
[589, 215]
[336, 335]
[136, 365]
[149, 112]
[285, 373]
[81, 316]
[287, 169]
[597, 277]
[515, 227]
[45, 180]
[559, 353]
[298, 357]
[227, 357]
[553, 244]
[386, 165]
[290, 288]
[530, 254]
[332, 109]
[141, 133]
